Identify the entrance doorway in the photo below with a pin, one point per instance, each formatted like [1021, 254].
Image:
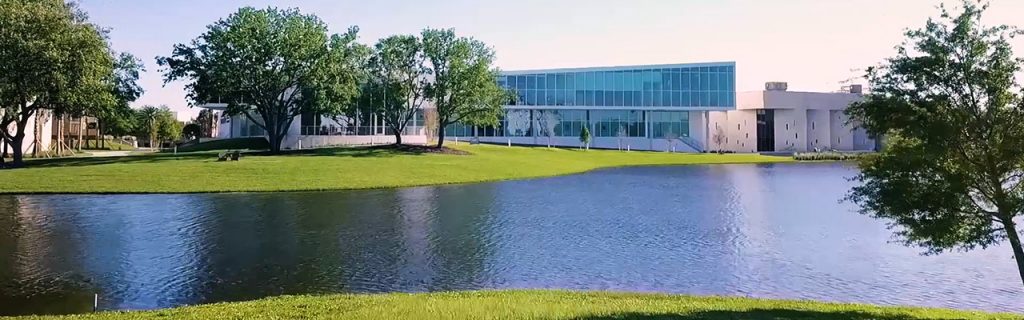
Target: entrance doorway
[765, 130]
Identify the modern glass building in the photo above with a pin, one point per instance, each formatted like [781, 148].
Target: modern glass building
[649, 107]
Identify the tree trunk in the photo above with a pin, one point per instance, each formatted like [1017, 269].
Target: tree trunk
[3, 152]
[1018, 252]
[274, 137]
[17, 152]
[81, 128]
[440, 137]
[398, 136]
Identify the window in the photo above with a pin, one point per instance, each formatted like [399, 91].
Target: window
[518, 124]
[670, 125]
[559, 123]
[617, 123]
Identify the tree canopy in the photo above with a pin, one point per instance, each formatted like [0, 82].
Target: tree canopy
[950, 108]
[464, 86]
[51, 57]
[270, 65]
[397, 81]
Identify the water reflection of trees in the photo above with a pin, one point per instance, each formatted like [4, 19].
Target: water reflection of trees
[367, 241]
[38, 267]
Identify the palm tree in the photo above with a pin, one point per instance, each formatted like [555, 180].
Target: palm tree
[147, 119]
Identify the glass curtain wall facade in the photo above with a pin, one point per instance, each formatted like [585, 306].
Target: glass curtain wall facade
[697, 86]
[638, 102]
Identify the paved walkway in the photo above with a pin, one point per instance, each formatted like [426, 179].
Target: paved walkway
[108, 154]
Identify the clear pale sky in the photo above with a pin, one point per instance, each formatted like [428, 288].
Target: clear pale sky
[812, 44]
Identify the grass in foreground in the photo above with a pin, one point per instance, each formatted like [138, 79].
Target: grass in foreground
[328, 169]
[536, 305]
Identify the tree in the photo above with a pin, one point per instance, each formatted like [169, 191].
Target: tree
[950, 177]
[207, 122]
[547, 120]
[671, 138]
[148, 124]
[192, 131]
[585, 137]
[719, 138]
[169, 129]
[621, 133]
[52, 58]
[465, 87]
[397, 82]
[269, 65]
[117, 117]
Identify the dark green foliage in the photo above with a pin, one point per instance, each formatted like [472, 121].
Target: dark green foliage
[51, 57]
[397, 81]
[191, 131]
[950, 175]
[465, 87]
[270, 65]
[585, 136]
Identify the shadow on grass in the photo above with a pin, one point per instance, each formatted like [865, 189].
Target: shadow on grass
[354, 152]
[758, 314]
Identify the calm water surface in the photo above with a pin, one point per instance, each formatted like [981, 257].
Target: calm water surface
[774, 231]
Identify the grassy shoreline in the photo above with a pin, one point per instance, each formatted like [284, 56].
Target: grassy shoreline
[533, 305]
[329, 169]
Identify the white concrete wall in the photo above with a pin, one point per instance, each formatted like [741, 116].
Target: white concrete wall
[739, 127]
[332, 141]
[790, 130]
[819, 130]
[814, 120]
[842, 135]
[699, 130]
[293, 138]
[30, 130]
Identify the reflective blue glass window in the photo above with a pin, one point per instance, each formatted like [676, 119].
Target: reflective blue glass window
[648, 99]
[677, 98]
[684, 101]
[560, 81]
[713, 100]
[581, 80]
[599, 98]
[713, 81]
[705, 81]
[552, 81]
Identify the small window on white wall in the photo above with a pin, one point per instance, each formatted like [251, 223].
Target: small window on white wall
[787, 127]
[812, 125]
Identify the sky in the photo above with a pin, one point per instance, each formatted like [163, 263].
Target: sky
[815, 45]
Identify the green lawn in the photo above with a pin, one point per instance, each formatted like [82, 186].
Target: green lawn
[327, 169]
[535, 305]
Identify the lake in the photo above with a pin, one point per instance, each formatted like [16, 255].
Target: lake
[771, 231]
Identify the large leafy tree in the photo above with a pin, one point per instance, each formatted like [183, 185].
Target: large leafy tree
[397, 81]
[269, 65]
[52, 58]
[464, 86]
[950, 177]
[117, 116]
